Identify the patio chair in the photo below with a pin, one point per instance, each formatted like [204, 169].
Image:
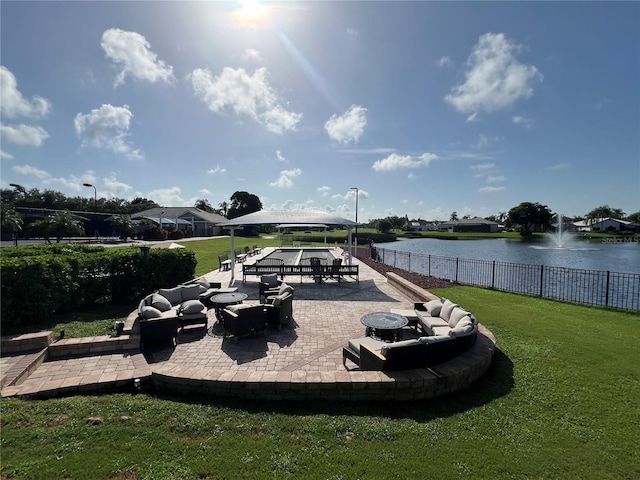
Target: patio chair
[335, 269]
[316, 269]
[269, 285]
[279, 309]
[240, 257]
[241, 320]
[248, 252]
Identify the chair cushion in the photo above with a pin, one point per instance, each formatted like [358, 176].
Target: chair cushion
[191, 306]
[174, 295]
[190, 292]
[285, 288]
[160, 302]
[270, 279]
[434, 339]
[240, 306]
[447, 308]
[374, 344]
[150, 312]
[456, 315]
[433, 307]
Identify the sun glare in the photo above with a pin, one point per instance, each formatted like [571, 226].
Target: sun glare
[251, 9]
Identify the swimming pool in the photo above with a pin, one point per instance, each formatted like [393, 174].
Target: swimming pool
[300, 256]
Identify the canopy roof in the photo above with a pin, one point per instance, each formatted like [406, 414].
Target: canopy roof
[289, 217]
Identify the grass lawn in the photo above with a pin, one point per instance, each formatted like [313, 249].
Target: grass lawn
[560, 401]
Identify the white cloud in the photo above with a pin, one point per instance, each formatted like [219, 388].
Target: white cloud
[132, 51]
[168, 197]
[520, 120]
[107, 127]
[245, 95]
[559, 166]
[216, 170]
[6, 155]
[485, 142]
[252, 54]
[395, 162]
[23, 134]
[474, 117]
[490, 189]
[348, 126]
[280, 157]
[483, 166]
[495, 178]
[445, 62]
[284, 181]
[115, 186]
[495, 79]
[353, 32]
[324, 190]
[412, 176]
[31, 171]
[13, 104]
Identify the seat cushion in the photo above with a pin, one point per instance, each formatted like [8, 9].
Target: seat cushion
[174, 295]
[160, 302]
[434, 339]
[372, 343]
[388, 348]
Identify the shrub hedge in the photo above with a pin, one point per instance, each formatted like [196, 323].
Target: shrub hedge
[39, 281]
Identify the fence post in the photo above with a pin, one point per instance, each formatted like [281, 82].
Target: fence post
[541, 280]
[409, 262]
[429, 268]
[457, 269]
[606, 298]
[493, 274]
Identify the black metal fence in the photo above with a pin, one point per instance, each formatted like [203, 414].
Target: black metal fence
[589, 287]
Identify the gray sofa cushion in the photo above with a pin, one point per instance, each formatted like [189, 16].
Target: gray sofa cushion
[204, 284]
[464, 327]
[372, 343]
[191, 306]
[190, 292]
[285, 288]
[150, 312]
[160, 302]
[433, 339]
[174, 295]
[389, 347]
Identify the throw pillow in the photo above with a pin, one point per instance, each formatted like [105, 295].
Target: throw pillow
[191, 306]
[456, 315]
[204, 283]
[433, 307]
[285, 288]
[189, 292]
[174, 295]
[461, 331]
[160, 302]
[447, 308]
[150, 312]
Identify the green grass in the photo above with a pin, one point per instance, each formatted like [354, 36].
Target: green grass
[560, 401]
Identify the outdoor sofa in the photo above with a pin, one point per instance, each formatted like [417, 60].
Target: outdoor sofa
[162, 312]
[447, 331]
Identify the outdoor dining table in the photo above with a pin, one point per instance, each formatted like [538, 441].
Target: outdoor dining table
[223, 300]
[384, 326]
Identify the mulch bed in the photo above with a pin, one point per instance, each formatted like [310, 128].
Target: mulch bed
[423, 281]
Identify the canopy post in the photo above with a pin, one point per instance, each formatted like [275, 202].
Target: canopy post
[233, 257]
[350, 246]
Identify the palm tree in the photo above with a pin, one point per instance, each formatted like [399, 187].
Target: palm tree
[63, 224]
[12, 220]
[224, 208]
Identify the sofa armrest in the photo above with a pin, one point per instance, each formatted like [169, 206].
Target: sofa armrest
[371, 359]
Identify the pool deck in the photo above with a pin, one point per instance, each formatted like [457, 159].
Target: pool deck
[302, 361]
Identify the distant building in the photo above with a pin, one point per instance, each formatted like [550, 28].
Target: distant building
[606, 225]
[421, 226]
[201, 223]
[475, 225]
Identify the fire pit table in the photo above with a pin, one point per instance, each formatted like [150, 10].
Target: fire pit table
[384, 326]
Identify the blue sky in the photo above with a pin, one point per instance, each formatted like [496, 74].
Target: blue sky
[426, 108]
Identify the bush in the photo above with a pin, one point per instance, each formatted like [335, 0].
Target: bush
[52, 279]
[155, 233]
[176, 235]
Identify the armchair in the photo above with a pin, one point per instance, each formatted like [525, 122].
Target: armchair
[279, 309]
[270, 285]
[242, 320]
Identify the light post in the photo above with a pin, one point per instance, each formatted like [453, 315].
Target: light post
[356, 240]
[22, 190]
[95, 195]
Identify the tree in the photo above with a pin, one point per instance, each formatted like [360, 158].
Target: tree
[529, 217]
[384, 225]
[58, 225]
[11, 220]
[454, 216]
[121, 224]
[224, 208]
[634, 217]
[604, 211]
[203, 204]
[243, 203]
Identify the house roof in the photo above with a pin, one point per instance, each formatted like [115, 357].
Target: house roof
[281, 217]
[470, 221]
[176, 212]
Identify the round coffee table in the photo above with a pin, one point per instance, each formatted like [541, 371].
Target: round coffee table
[223, 300]
[384, 326]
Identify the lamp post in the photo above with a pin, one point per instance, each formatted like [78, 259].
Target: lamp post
[356, 240]
[95, 195]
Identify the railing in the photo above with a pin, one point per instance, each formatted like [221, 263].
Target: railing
[589, 287]
[318, 271]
